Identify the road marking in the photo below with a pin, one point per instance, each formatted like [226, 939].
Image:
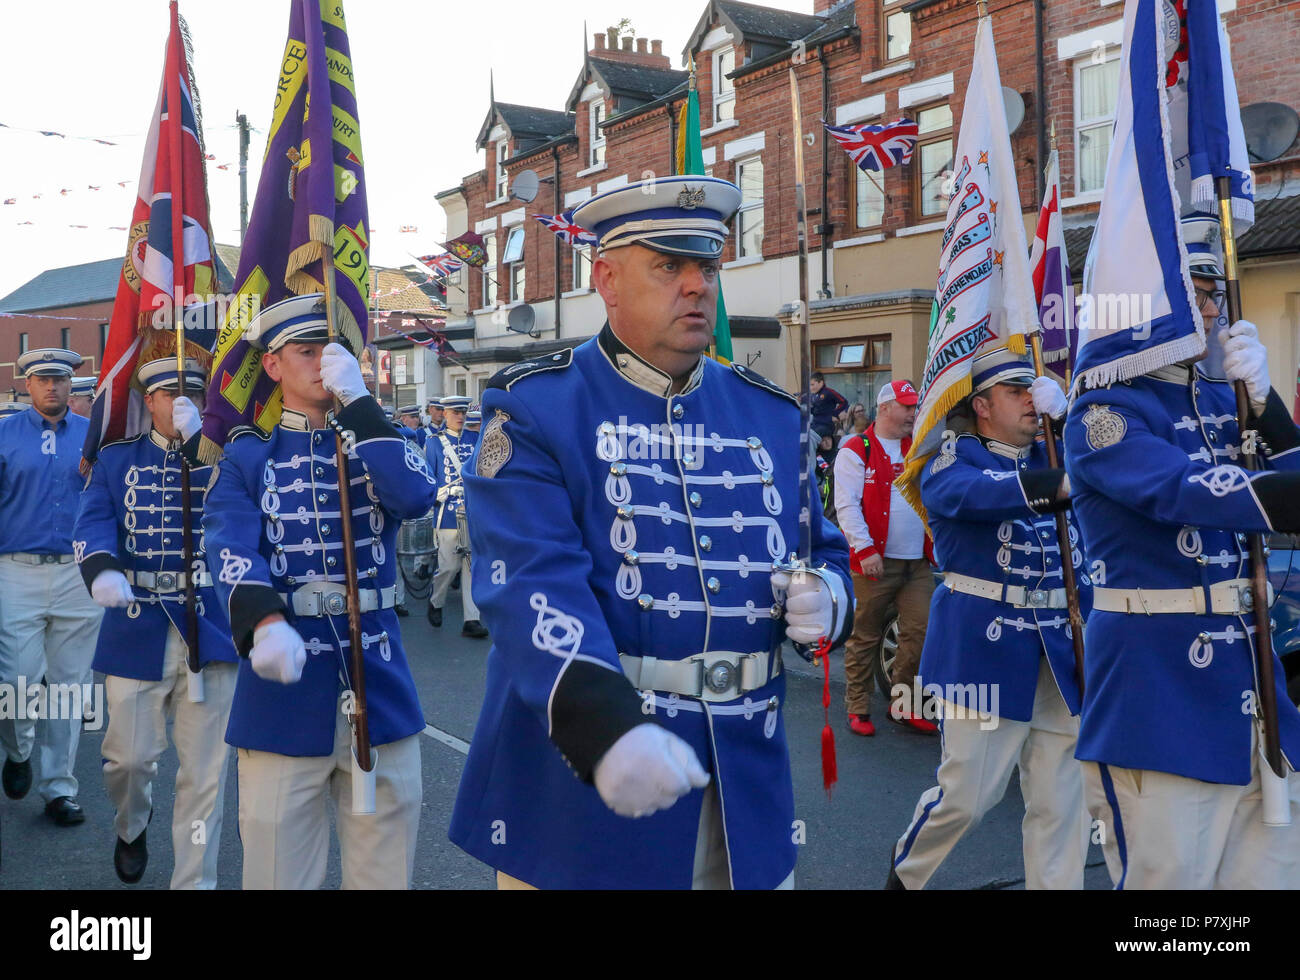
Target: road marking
[437, 734]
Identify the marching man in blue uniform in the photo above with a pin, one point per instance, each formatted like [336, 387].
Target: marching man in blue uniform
[272, 524]
[49, 625]
[433, 408]
[449, 453]
[632, 733]
[130, 549]
[409, 418]
[999, 651]
[1170, 729]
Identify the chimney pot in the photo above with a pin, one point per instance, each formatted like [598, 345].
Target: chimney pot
[612, 34]
[657, 47]
[600, 42]
[641, 45]
[627, 44]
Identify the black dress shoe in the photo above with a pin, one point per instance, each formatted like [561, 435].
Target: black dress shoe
[17, 778]
[435, 616]
[65, 811]
[474, 628]
[401, 610]
[130, 860]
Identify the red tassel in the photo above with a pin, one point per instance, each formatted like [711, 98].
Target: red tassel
[830, 771]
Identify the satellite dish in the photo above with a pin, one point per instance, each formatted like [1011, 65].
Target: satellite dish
[525, 186]
[1015, 108]
[1270, 128]
[521, 320]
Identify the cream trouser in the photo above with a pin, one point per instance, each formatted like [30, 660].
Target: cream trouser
[1165, 831]
[973, 774]
[711, 870]
[284, 804]
[48, 628]
[449, 563]
[137, 736]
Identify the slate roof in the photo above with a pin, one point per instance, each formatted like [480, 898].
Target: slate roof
[528, 125]
[72, 285]
[764, 28]
[629, 85]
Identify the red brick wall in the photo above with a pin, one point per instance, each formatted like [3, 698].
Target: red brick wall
[43, 330]
[1265, 35]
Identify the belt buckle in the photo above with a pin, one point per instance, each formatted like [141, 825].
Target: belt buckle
[49, 559]
[1038, 599]
[721, 676]
[1245, 598]
[165, 581]
[333, 603]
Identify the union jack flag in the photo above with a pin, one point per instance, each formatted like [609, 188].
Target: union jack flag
[440, 265]
[877, 147]
[563, 226]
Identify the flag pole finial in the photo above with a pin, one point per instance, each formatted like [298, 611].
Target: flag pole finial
[1053, 135]
[690, 67]
[982, 8]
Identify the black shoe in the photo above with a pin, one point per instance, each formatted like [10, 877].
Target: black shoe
[401, 610]
[435, 616]
[65, 811]
[130, 860]
[17, 778]
[893, 883]
[474, 629]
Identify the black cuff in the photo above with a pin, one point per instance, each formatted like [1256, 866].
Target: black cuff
[249, 605]
[1275, 426]
[190, 450]
[1040, 488]
[365, 420]
[1279, 496]
[100, 561]
[591, 709]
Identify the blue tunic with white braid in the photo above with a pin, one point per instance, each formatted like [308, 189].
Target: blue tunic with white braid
[130, 521]
[272, 526]
[448, 454]
[1162, 499]
[646, 524]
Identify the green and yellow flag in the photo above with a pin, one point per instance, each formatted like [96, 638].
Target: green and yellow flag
[690, 160]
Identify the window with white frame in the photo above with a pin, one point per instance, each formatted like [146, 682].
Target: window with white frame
[514, 259]
[724, 91]
[488, 271]
[749, 222]
[597, 139]
[1096, 88]
[503, 151]
[582, 267]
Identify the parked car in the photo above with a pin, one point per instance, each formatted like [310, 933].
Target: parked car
[1283, 573]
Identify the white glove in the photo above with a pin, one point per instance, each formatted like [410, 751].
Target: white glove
[815, 605]
[185, 417]
[648, 769]
[341, 374]
[1048, 398]
[1245, 359]
[278, 654]
[111, 590]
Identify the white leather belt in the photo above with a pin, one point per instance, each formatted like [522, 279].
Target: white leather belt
[331, 599]
[716, 676]
[166, 581]
[1230, 598]
[1019, 596]
[27, 558]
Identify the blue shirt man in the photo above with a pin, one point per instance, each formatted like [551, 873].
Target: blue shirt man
[49, 624]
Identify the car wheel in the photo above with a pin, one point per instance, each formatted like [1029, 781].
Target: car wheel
[885, 657]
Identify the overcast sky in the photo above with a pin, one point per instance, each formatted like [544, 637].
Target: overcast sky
[90, 68]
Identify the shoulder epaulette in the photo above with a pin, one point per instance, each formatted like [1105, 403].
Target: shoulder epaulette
[247, 430]
[756, 379]
[507, 376]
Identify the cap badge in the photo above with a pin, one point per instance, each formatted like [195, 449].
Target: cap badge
[690, 199]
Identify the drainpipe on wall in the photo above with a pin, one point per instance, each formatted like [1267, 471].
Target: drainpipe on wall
[826, 227]
[1041, 97]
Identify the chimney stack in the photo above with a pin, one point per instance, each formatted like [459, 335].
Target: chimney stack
[600, 41]
[648, 53]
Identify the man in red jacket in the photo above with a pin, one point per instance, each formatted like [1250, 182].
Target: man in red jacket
[892, 554]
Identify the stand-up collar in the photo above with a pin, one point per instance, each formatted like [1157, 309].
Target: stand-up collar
[295, 421]
[1005, 449]
[640, 372]
[162, 442]
[1179, 374]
